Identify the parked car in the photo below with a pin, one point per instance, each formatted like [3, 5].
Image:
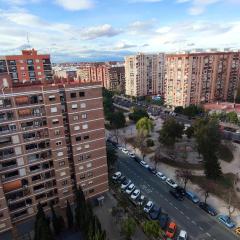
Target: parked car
[147, 208]
[163, 220]
[207, 208]
[237, 230]
[125, 184]
[116, 175]
[177, 195]
[161, 176]
[171, 230]
[135, 194]
[182, 235]
[227, 221]
[124, 150]
[192, 196]
[180, 190]
[137, 159]
[171, 183]
[130, 188]
[155, 212]
[131, 155]
[144, 164]
[152, 170]
[141, 200]
[119, 147]
[121, 179]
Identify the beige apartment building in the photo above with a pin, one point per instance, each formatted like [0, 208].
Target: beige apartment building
[144, 74]
[195, 78]
[52, 138]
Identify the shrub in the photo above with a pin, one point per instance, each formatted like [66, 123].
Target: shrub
[150, 143]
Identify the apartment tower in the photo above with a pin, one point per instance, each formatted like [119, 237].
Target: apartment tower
[144, 74]
[52, 138]
[195, 78]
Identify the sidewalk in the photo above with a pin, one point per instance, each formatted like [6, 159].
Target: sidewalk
[108, 222]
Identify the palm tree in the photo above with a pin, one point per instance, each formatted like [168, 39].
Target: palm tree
[144, 126]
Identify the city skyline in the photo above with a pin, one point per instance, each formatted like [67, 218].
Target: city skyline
[88, 30]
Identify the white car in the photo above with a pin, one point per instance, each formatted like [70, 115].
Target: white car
[125, 184]
[119, 147]
[135, 194]
[171, 183]
[131, 155]
[141, 200]
[130, 188]
[124, 150]
[144, 164]
[116, 175]
[182, 235]
[161, 176]
[147, 208]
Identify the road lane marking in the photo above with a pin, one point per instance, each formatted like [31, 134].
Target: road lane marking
[201, 228]
[208, 234]
[194, 223]
[182, 212]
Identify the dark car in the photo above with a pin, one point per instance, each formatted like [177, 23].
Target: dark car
[207, 208]
[180, 190]
[176, 194]
[137, 159]
[163, 220]
[121, 179]
[152, 170]
[155, 212]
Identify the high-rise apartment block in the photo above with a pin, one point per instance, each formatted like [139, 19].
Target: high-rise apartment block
[52, 138]
[195, 78]
[144, 74]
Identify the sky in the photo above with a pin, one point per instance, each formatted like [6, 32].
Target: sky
[102, 30]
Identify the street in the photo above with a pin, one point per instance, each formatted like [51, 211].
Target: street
[187, 215]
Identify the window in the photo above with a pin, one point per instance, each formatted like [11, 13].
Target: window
[52, 98]
[82, 176]
[38, 67]
[91, 190]
[85, 126]
[39, 73]
[62, 163]
[22, 68]
[78, 138]
[90, 174]
[62, 173]
[86, 137]
[74, 106]
[87, 156]
[84, 116]
[75, 117]
[80, 158]
[59, 154]
[57, 132]
[79, 148]
[89, 165]
[81, 94]
[83, 105]
[76, 128]
[55, 121]
[53, 109]
[73, 95]
[64, 183]
[81, 167]
[58, 143]
[86, 146]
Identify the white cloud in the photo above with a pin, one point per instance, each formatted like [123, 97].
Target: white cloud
[75, 5]
[145, 1]
[123, 45]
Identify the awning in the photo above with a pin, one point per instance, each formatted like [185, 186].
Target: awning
[8, 187]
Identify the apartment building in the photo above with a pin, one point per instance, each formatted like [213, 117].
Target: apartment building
[194, 78]
[144, 74]
[52, 138]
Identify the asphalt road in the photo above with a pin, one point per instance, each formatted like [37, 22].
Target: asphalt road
[187, 215]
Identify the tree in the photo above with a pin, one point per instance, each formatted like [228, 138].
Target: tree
[157, 157]
[128, 228]
[232, 117]
[209, 188]
[171, 130]
[42, 229]
[144, 126]
[151, 228]
[184, 175]
[111, 158]
[189, 132]
[117, 120]
[80, 208]
[107, 103]
[137, 114]
[208, 140]
[55, 221]
[69, 215]
[192, 111]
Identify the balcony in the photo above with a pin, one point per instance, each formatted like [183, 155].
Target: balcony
[8, 164]
[35, 135]
[37, 146]
[10, 175]
[19, 205]
[41, 167]
[42, 186]
[5, 129]
[33, 124]
[28, 100]
[31, 112]
[43, 176]
[7, 153]
[5, 141]
[6, 116]
[39, 156]
[5, 103]
[44, 196]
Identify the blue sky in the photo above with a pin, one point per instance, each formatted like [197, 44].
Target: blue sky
[93, 30]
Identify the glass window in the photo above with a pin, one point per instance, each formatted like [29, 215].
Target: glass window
[85, 126]
[81, 94]
[74, 106]
[53, 109]
[73, 95]
[83, 105]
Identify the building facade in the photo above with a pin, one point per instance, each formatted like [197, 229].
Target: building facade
[195, 78]
[52, 138]
[144, 74]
